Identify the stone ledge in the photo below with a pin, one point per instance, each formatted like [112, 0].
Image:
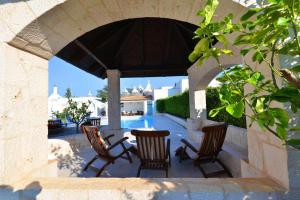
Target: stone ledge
[176, 119]
[139, 188]
[195, 184]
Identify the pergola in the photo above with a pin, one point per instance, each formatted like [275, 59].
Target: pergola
[136, 47]
[141, 47]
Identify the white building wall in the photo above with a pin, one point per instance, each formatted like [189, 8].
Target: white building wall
[168, 91]
[160, 94]
[133, 106]
[173, 91]
[58, 103]
[184, 85]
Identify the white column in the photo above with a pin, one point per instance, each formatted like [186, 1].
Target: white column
[192, 88]
[197, 96]
[114, 109]
[145, 107]
[200, 104]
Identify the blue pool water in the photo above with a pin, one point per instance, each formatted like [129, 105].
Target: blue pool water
[132, 122]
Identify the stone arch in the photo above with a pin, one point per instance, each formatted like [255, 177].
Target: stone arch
[34, 31]
[201, 76]
[45, 29]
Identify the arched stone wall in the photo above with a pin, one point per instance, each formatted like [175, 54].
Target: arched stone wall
[45, 27]
[201, 76]
[32, 31]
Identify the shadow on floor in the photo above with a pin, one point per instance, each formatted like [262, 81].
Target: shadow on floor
[30, 192]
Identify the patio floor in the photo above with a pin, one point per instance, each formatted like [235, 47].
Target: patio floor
[72, 164]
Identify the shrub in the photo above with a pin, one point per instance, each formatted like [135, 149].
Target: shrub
[160, 105]
[213, 101]
[177, 105]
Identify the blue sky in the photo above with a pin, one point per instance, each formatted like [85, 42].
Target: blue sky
[65, 75]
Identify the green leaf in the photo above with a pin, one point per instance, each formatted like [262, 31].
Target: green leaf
[266, 118]
[281, 115]
[282, 21]
[200, 60]
[274, 1]
[242, 39]
[227, 51]
[193, 57]
[287, 94]
[261, 123]
[290, 48]
[250, 13]
[294, 108]
[255, 78]
[273, 35]
[222, 39]
[201, 46]
[215, 111]
[244, 51]
[295, 68]
[281, 132]
[236, 109]
[208, 12]
[260, 104]
[258, 56]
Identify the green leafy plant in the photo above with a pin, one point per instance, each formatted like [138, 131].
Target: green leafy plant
[76, 112]
[213, 101]
[177, 105]
[264, 33]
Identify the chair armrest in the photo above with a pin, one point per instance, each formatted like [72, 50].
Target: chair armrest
[117, 143]
[107, 138]
[187, 144]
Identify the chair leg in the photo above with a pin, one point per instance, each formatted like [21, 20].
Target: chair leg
[224, 167]
[129, 157]
[169, 158]
[139, 171]
[182, 154]
[202, 171]
[89, 163]
[167, 174]
[102, 168]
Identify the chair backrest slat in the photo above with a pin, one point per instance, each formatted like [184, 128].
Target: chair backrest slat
[151, 144]
[96, 140]
[213, 140]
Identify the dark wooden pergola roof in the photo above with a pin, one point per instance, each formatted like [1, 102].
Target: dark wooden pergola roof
[141, 47]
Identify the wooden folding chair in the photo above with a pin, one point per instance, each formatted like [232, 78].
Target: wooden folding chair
[152, 150]
[209, 149]
[103, 150]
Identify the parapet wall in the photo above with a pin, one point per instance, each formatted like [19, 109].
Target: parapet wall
[140, 188]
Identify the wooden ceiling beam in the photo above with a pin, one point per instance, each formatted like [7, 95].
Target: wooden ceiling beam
[126, 39]
[84, 48]
[113, 36]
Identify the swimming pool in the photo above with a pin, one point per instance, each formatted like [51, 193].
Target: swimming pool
[132, 122]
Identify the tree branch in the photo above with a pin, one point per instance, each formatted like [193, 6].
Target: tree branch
[291, 78]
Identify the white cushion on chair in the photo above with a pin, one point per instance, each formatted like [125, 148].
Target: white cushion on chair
[197, 137]
[117, 150]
